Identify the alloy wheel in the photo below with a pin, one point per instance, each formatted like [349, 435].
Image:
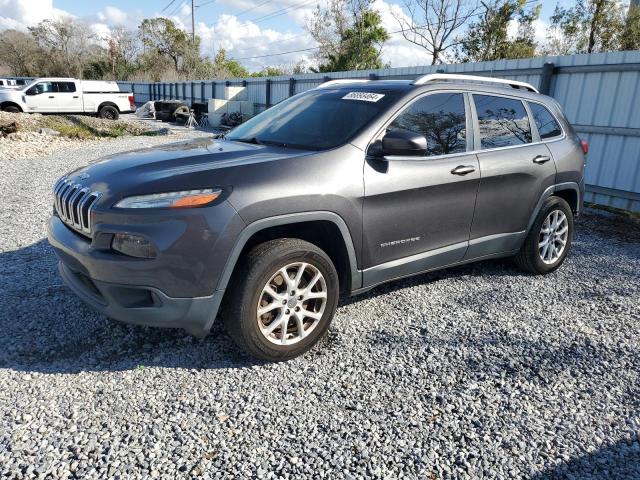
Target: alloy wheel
[553, 237]
[292, 303]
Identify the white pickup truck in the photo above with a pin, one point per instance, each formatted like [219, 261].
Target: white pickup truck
[68, 95]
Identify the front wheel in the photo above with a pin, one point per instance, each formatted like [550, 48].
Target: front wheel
[282, 299]
[549, 239]
[11, 109]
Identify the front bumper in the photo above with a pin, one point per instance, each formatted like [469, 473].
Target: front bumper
[143, 305]
[153, 292]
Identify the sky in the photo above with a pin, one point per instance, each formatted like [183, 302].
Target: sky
[248, 29]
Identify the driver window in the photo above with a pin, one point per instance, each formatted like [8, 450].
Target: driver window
[42, 87]
[440, 118]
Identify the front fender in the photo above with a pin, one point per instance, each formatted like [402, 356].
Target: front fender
[257, 226]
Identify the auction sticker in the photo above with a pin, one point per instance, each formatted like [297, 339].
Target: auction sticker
[363, 96]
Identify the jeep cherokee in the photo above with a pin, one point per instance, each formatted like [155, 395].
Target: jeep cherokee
[337, 189]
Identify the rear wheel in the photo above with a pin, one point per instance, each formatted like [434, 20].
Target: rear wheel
[281, 299]
[549, 239]
[108, 112]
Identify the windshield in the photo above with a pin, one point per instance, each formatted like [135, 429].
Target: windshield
[316, 120]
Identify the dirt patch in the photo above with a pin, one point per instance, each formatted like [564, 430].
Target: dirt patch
[25, 135]
[625, 228]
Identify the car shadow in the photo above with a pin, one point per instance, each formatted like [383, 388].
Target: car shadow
[46, 328]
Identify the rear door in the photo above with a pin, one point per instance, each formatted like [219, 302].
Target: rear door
[516, 168]
[418, 210]
[68, 99]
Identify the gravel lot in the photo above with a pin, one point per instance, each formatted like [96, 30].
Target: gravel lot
[476, 372]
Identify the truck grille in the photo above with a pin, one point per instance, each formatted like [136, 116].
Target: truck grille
[73, 204]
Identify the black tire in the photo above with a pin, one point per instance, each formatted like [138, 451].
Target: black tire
[245, 291]
[529, 257]
[108, 112]
[11, 109]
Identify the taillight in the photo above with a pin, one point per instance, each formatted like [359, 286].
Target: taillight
[585, 146]
[132, 103]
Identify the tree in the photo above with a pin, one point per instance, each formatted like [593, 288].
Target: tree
[124, 49]
[631, 33]
[162, 36]
[227, 67]
[586, 27]
[19, 52]
[350, 34]
[66, 46]
[488, 39]
[432, 24]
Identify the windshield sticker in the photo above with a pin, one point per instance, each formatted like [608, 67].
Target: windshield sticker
[363, 96]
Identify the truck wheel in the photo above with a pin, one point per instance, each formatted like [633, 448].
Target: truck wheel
[108, 112]
[281, 299]
[549, 239]
[11, 109]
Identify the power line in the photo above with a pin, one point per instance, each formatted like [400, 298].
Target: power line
[167, 5]
[206, 3]
[317, 48]
[255, 7]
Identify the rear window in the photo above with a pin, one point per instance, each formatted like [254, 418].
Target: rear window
[65, 87]
[317, 120]
[547, 124]
[503, 122]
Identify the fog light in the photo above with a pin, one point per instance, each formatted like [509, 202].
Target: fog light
[133, 245]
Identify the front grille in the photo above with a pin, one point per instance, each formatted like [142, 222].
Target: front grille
[73, 204]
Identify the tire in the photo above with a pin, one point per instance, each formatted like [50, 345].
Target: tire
[180, 111]
[11, 109]
[530, 256]
[247, 290]
[108, 112]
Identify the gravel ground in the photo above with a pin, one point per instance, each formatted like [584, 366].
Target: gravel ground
[476, 372]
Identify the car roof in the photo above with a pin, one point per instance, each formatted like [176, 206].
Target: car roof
[467, 83]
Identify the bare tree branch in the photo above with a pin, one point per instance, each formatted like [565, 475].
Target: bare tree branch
[431, 24]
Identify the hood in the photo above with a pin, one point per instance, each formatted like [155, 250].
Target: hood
[178, 166]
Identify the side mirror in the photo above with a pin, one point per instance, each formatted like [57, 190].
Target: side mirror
[31, 91]
[404, 142]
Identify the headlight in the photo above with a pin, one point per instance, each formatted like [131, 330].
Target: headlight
[187, 198]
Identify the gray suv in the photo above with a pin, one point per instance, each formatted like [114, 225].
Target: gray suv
[337, 189]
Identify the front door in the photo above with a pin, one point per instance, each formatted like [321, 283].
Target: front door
[418, 210]
[41, 97]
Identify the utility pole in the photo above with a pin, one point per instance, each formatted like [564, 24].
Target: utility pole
[193, 22]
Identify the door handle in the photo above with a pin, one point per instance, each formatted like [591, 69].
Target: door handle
[51, 96]
[463, 170]
[541, 159]
[76, 96]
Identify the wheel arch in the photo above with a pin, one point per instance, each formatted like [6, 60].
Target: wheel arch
[108, 104]
[568, 191]
[3, 105]
[327, 230]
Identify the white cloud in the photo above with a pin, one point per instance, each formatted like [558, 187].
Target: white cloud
[23, 13]
[113, 16]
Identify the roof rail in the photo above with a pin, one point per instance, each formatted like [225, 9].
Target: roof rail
[341, 81]
[435, 77]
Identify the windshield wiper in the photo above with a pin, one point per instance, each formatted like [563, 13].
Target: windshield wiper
[253, 140]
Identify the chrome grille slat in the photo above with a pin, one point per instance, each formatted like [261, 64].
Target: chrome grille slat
[73, 204]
